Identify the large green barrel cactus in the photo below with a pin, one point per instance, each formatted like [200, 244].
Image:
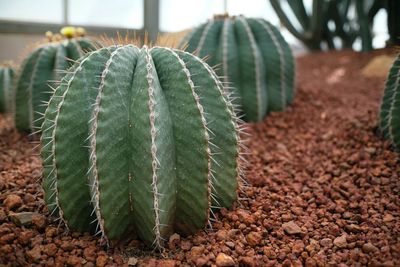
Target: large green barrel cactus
[389, 117]
[139, 141]
[6, 92]
[253, 58]
[39, 73]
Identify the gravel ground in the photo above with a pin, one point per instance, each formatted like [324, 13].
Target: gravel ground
[324, 189]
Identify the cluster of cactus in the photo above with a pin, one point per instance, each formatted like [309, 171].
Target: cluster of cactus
[139, 141]
[6, 90]
[39, 71]
[252, 57]
[393, 18]
[314, 27]
[389, 117]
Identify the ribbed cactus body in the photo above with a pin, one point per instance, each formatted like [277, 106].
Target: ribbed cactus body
[6, 90]
[389, 117]
[38, 74]
[154, 136]
[253, 57]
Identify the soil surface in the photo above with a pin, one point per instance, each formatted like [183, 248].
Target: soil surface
[324, 189]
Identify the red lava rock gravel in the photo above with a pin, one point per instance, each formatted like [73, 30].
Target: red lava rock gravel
[324, 189]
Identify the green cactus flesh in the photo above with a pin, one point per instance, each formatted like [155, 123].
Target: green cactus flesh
[6, 92]
[38, 75]
[389, 117]
[139, 141]
[253, 58]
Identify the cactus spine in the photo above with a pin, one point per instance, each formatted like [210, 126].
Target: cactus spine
[6, 92]
[36, 77]
[389, 117]
[252, 56]
[152, 132]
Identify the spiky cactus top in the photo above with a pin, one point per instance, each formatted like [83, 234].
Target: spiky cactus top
[6, 92]
[252, 56]
[389, 117]
[39, 71]
[152, 132]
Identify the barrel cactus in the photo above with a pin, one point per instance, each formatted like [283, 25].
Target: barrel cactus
[139, 142]
[389, 117]
[6, 92]
[39, 73]
[252, 56]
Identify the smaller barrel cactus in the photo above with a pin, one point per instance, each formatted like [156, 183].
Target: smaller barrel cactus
[389, 117]
[39, 73]
[139, 141]
[6, 91]
[253, 58]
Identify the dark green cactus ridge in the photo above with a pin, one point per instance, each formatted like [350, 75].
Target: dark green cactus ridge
[37, 76]
[139, 141]
[389, 117]
[252, 57]
[6, 90]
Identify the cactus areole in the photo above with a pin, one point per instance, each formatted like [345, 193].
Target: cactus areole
[37, 76]
[252, 56]
[139, 142]
[389, 116]
[6, 92]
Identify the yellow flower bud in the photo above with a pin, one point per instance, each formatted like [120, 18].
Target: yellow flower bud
[68, 32]
[80, 32]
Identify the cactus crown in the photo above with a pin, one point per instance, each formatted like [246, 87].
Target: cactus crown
[153, 133]
[252, 57]
[37, 76]
[389, 115]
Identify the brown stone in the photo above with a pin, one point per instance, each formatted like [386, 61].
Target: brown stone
[3, 216]
[298, 247]
[7, 238]
[224, 260]
[254, 239]
[388, 217]
[221, 235]
[167, 263]
[90, 253]
[247, 261]
[132, 261]
[202, 261]
[34, 254]
[186, 245]
[173, 241]
[291, 228]
[39, 221]
[12, 201]
[269, 252]
[310, 262]
[22, 218]
[101, 260]
[74, 261]
[326, 242]
[50, 249]
[369, 248]
[340, 241]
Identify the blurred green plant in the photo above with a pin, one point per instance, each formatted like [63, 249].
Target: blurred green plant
[389, 115]
[6, 92]
[252, 57]
[332, 19]
[40, 72]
